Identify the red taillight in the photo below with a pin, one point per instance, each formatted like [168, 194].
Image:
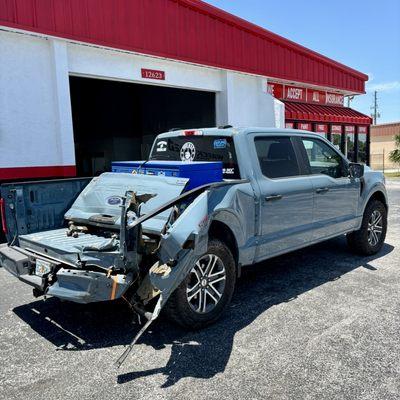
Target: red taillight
[192, 133]
[3, 215]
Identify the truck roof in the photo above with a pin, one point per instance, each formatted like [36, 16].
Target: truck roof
[234, 131]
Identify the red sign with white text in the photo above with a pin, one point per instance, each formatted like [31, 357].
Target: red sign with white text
[305, 126]
[295, 93]
[321, 128]
[275, 89]
[334, 99]
[153, 74]
[336, 128]
[289, 125]
[349, 129]
[316, 96]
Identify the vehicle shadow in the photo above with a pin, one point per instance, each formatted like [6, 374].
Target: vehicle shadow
[200, 354]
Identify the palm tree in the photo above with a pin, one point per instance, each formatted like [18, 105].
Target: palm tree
[394, 155]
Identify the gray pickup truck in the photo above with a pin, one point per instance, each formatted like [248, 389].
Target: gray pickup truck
[147, 240]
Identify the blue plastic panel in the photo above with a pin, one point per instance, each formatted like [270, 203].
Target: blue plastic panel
[198, 172]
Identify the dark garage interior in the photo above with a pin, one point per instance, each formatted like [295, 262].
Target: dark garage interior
[117, 121]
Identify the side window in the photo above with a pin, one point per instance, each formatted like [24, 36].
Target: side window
[276, 157]
[323, 159]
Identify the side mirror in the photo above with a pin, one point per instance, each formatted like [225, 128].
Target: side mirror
[356, 170]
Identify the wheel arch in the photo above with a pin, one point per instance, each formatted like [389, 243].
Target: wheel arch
[377, 195]
[219, 230]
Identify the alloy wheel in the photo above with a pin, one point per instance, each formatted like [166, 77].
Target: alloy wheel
[375, 228]
[206, 284]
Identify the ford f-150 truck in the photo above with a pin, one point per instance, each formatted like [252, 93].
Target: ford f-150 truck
[145, 239]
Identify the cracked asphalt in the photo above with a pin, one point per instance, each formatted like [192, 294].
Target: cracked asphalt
[319, 323]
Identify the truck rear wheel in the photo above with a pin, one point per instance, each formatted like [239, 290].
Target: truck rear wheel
[369, 239]
[207, 290]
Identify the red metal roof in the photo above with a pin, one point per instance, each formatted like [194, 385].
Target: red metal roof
[186, 30]
[318, 113]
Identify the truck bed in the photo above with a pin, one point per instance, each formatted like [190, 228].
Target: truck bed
[57, 244]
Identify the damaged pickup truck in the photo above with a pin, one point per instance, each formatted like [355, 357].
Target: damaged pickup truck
[160, 241]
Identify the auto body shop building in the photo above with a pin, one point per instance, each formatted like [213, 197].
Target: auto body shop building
[85, 82]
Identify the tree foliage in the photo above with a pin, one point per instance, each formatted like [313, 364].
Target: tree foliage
[394, 155]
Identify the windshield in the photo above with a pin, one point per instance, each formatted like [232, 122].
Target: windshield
[198, 148]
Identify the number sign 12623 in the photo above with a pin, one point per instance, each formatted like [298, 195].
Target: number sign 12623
[153, 74]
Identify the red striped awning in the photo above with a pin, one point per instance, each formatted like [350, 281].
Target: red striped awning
[318, 113]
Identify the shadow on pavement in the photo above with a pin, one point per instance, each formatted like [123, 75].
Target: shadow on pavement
[201, 354]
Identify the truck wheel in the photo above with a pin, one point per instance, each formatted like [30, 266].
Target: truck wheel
[370, 237]
[207, 290]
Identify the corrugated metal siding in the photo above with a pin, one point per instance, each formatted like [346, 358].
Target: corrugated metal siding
[187, 30]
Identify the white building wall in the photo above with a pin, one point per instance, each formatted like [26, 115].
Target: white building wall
[35, 109]
[29, 126]
[112, 64]
[248, 103]
[62, 103]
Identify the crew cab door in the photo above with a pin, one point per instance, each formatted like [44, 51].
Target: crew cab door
[29, 207]
[336, 194]
[285, 197]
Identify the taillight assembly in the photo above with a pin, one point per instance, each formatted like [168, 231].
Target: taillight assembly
[3, 215]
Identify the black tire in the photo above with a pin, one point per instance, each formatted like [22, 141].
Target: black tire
[180, 310]
[359, 240]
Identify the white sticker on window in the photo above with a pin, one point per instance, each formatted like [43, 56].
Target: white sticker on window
[161, 146]
[188, 152]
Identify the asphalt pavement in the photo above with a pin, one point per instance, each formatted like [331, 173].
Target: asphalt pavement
[319, 323]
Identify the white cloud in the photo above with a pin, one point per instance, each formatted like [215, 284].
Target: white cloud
[370, 76]
[383, 87]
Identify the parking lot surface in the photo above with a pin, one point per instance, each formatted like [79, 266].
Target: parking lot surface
[317, 323]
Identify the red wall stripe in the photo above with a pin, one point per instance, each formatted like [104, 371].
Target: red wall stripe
[54, 171]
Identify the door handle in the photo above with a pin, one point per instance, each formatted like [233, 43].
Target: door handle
[273, 197]
[322, 190]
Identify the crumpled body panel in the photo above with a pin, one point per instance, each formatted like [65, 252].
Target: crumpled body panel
[193, 226]
[103, 197]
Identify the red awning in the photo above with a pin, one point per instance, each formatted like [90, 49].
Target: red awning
[318, 113]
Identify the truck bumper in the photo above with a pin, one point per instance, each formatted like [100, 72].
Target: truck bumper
[75, 285]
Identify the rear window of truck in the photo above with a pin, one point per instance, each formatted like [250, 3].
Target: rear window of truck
[198, 148]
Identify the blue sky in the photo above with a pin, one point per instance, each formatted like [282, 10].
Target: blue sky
[362, 34]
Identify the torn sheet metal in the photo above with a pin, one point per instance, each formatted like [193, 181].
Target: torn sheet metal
[89, 286]
[102, 198]
[193, 223]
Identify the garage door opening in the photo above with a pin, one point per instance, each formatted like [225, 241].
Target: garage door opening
[117, 121]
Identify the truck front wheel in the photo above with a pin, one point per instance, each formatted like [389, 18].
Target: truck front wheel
[207, 290]
[369, 239]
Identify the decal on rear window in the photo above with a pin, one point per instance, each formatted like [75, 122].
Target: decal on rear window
[188, 152]
[161, 146]
[219, 143]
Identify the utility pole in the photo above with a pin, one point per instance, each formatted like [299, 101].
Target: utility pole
[375, 114]
[349, 100]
